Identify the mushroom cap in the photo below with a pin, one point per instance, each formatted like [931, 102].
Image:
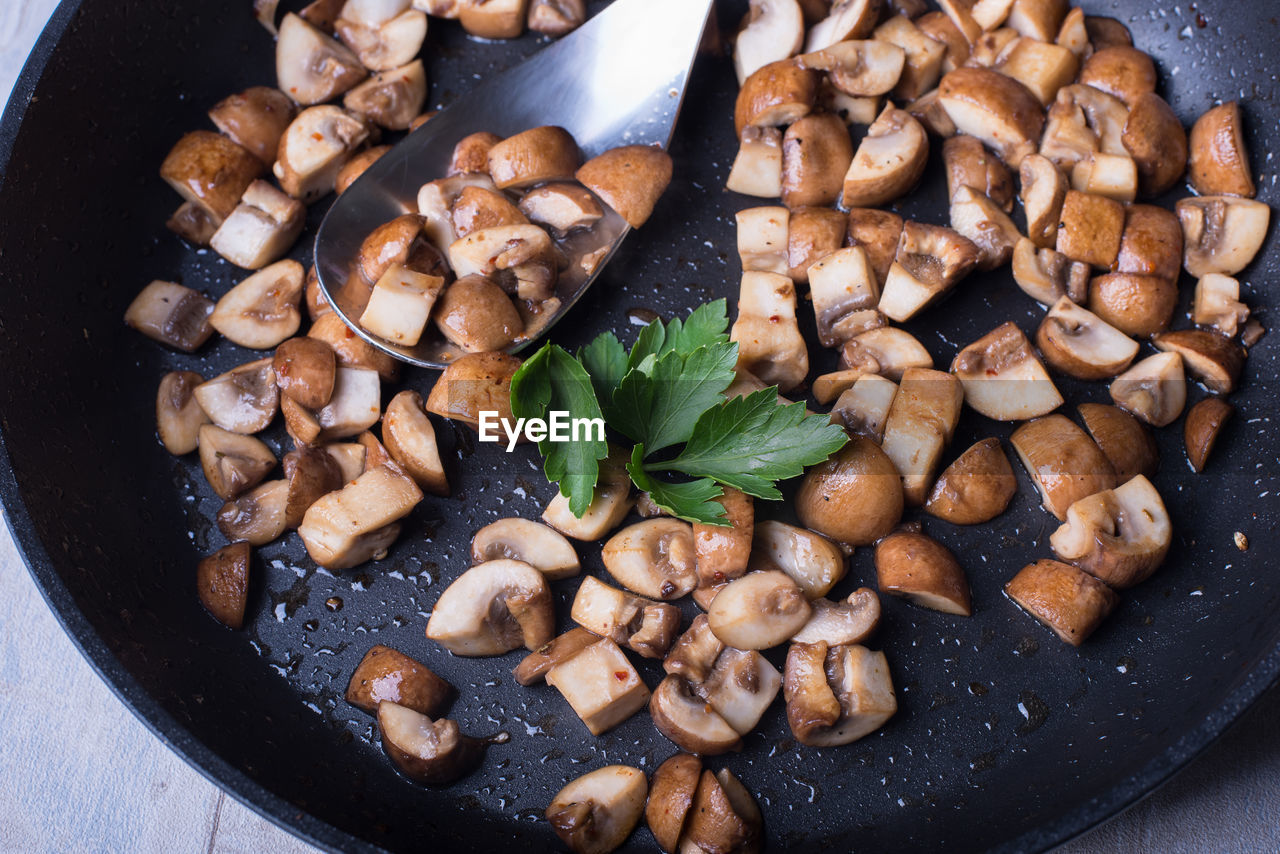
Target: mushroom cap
[609, 506]
[534, 156]
[1124, 441]
[311, 473]
[472, 384]
[1137, 304]
[889, 161]
[1211, 358]
[811, 560]
[834, 623]
[1063, 462]
[885, 350]
[1044, 189]
[1092, 228]
[645, 626]
[723, 817]
[1155, 389]
[878, 233]
[210, 170]
[222, 582]
[256, 119]
[426, 751]
[356, 166]
[391, 99]
[410, 439]
[855, 497]
[1151, 242]
[654, 558]
[1219, 157]
[846, 19]
[258, 516]
[1217, 304]
[382, 43]
[1068, 600]
[1105, 32]
[695, 652]
[315, 146]
[775, 95]
[232, 463]
[858, 67]
[758, 611]
[720, 553]
[816, 153]
[493, 608]
[350, 350]
[178, 415]
[534, 666]
[1121, 70]
[836, 695]
[1204, 422]
[1002, 377]
[969, 164]
[556, 17]
[998, 110]
[981, 220]
[930, 260]
[689, 721]
[1081, 344]
[360, 521]
[976, 487]
[1047, 275]
[595, 813]
[923, 571]
[1120, 536]
[1221, 234]
[388, 674]
[1156, 140]
[542, 547]
[630, 179]
[476, 314]
[670, 797]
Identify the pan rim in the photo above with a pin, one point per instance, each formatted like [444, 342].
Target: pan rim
[1099, 809]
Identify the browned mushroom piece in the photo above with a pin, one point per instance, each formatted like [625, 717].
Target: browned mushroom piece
[689, 721]
[1138, 304]
[477, 315]
[311, 473]
[996, 109]
[493, 608]
[655, 558]
[844, 292]
[400, 304]
[262, 311]
[695, 652]
[1037, 19]
[1217, 304]
[431, 752]
[1151, 242]
[171, 314]
[921, 421]
[356, 166]
[889, 161]
[769, 341]
[855, 497]
[1121, 70]
[816, 153]
[1156, 140]
[1213, 359]
[1114, 176]
[383, 35]
[317, 305]
[323, 13]
[721, 553]
[535, 156]
[262, 228]
[757, 168]
[1063, 462]
[256, 119]
[350, 350]
[1081, 120]
[845, 20]
[758, 611]
[311, 67]
[924, 572]
[976, 487]
[232, 462]
[937, 26]
[315, 146]
[1002, 377]
[1073, 34]
[402, 241]
[222, 582]
[391, 99]
[813, 234]
[925, 56]
[983, 223]
[193, 223]
[969, 164]
[360, 521]
[257, 516]
[1069, 601]
[1078, 343]
[243, 400]
[930, 261]
[724, 816]
[1204, 423]
[643, 625]
[812, 561]
[493, 19]
[609, 506]
[630, 179]
[353, 407]
[595, 813]
[878, 233]
[600, 685]
[1047, 275]
[1221, 234]
[507, 251]
[561, 207]
[670, 798]
[1219, 158]
[1155, 389]
[764, 239]
[852, 620]
[211, 171]
[777, 95]
[858, 68]
[1107, 32]
[1119, 536]
[556, 17]
[1092, 228]
[1124, 441]
[388, 674]
[471, 384]
[534, 666]
[960, 14]
[178, 415]
[1042, 67]
[836, 694]
[928, 111]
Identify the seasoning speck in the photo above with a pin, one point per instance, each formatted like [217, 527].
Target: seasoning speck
[1242, 542]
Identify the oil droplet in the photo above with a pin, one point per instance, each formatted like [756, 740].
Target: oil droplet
[1034, 710]
[1125, 664]
[333, 603]
[977, 689]
[641, 316]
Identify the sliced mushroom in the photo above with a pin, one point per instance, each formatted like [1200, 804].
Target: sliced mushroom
[769, 341]
[689, 721]
[928, 111]
[852, 109]
[1069, 601]
[1126, 444]
[351, 350]
[1043, 67]
[609, 506]
[243, 400]
[1137, 304]
[1044, 189]
[1221, 234]
[1081, 344]
[1151, 242]
[859, 68]
[209, 170]
[654, 558]
[864, 408]
[360, 521]
[263, 227]
[314, 148]
[311, 67]
[921, 421]
[1219, 158]
[836, 694]
[1213, 359]
[1114, 176]
[356, 166]
[1156, 140]
[1002, 377]
[493, 608]
[1083, 119]
[923, 571]
[1204, 422]
[969, 164]
[354, 406]
[222, 583]
[757, 168]
[741, 687]
[1155, 389]
[1063, 462]
[724, 817]
[556, 17]
[847, 19]
[695, 652]
[670, 798]
[561, 207]
[232, 462]
[925, 56]
[262, 311]
[501, 247]
[643, 625]
[855, 497]
[812, 561]
[534, 666]
[975, 488]
[256, 119]
[813, 234]
[400, 304]
[193, 224]
[311, 473]
[1120, 70]
[600, 685]
[764, 240]
[930, 261]
[178, 415]
[1107, 32]
[630, 179]
[878, 233]
[386, 674]
[596, 813]
[493, 19]
[982, 222]
[1091, 230]
[776, 95]
[383, 35]
[426, 751]
[816, 153]
[257, 516]
[773, 31]
[1120, 535]
[758, 611]
[1047, 275]
[842, 287]
[889, 160]
[1073, 34]
[391, 99]
[1217, 304]
[721, 553]
[535, 156]
[299, 422]
[998, 110]
[473, 384]
[411, 441]
[835, 623]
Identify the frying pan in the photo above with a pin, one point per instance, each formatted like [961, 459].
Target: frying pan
[1006, 738]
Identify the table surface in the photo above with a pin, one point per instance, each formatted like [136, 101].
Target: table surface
[118, 788]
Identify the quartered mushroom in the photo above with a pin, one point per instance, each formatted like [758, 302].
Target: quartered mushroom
[232, 462]
[1002, 377]
[1204, 422]
[1080, 344]
[384, 34]
[1063, 462]
[996, 109]
[1217, 304]
[1119, 70]
[689, 721]
[1043, 67]
[561, 207]
[535, 156]
[878, 233]
[311, 473]
[930, 260]
[493, 19]
[400, 304]
[543, 548]
[1213, 359]
[1047, 275]
[258, 516]
[889, 161]
[990, 47]
[975, 488]
[764, 239]
[855, 497]
[475, 383]
[1120, 535]
[435, 205]
[427, 751]
[813, 234]
[654, 558]
[1156, 140]
[410, 439]
[919, 426]
[1073, 34]
[773, 30]
[1219, 159]
[816, 153]
[171, 314]
[556, 17]
[243, 400]
[595, 813]
[724, 816]
[1221, 234]
[314, 148]
[209, 170]
[811, 560]
[757, 168]
[758, 611]
[222, 583]
[924, 572]
[670, 798]
[721, 553]
[256, 119]
[600, 685]
[534, 666]
[1137, 304]
[1091, 229]
[925, 56]
[360, 521]
[350, 350]
[864, 408]
[740, 688]
[1068, 600]
[1155, 389]
[939, 27]
[388, 675]
[630, 179]
[477, 315]
[193, 223]
[391, 99]
[312, 68]
[1151, 242]
[1083, 119]
[1037, 19]
[969, 164]
[1105, 32]
[609, 506]
[178, 415]
[263, 227]
[859, 68]
[353, 407]
[262, 311]
[471, 154]
[982, 222]
[828, 387]
[846, 19]
[852, 620]
[1044, 189]
[836, 694]
[776, 95]
[1112, 175]
[695, 652]
[1124, 441]
[645, 626]
[493, 608]
[769, 341]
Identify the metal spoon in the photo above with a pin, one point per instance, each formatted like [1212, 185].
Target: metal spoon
[620, 79]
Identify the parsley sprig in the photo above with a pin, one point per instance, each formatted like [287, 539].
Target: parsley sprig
[667, 397]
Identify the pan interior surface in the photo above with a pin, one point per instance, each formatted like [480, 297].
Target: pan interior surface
[1004, 737]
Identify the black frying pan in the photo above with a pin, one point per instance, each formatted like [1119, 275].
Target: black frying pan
[1006, 737]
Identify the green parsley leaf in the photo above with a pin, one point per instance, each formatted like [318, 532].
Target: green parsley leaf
[694, 501]
[553, 380]
[606, 361]
[707, 325]
[658, 403]
[751, 442]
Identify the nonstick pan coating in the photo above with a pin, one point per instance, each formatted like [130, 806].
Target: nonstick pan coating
[1005, 736]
